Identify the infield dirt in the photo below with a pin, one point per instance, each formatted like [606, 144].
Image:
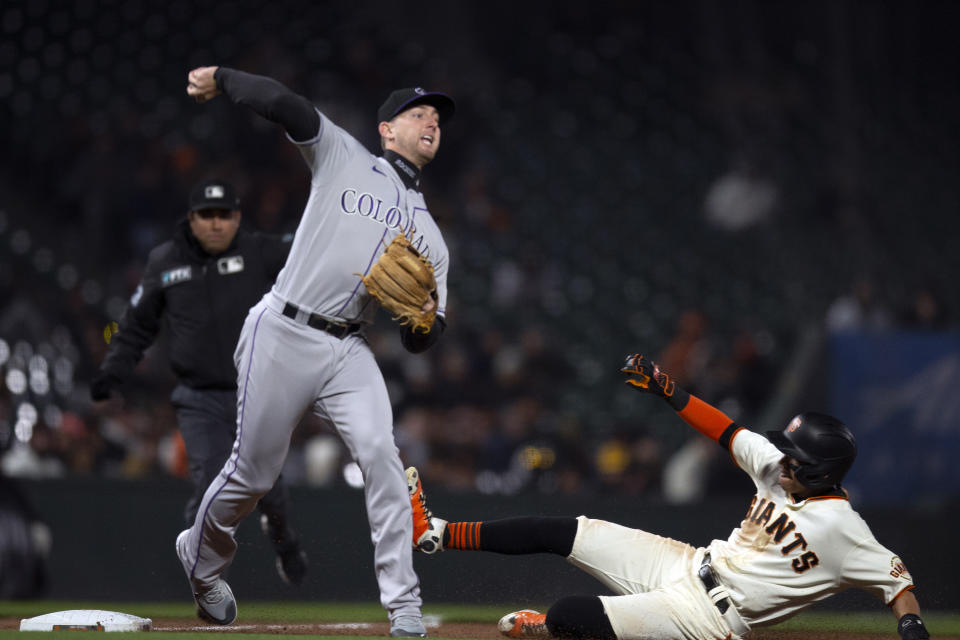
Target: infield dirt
[480, 631]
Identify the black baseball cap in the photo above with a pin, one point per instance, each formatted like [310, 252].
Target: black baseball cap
[214, 194]
[403, 99]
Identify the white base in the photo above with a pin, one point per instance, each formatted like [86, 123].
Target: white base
[86, 620]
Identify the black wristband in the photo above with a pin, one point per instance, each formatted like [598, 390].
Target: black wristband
[416, 342]
[679, 399]
[911, 627]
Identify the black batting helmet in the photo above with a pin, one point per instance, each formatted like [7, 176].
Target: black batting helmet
[824, 447]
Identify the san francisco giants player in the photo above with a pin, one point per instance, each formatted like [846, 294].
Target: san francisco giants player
[800, 542]
[302, 346]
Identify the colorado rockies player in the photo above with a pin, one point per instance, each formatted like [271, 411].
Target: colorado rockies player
[302, 346]
[799, 542]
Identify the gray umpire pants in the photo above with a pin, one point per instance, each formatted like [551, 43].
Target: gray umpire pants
[208, 424]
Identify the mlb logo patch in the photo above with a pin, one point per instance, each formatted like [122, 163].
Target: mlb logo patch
[213, 192]
[230, 264]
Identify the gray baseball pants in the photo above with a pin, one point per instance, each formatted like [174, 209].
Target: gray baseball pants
[284, 369]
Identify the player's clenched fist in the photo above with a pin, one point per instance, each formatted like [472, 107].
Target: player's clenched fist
[201, 85]
[645, 375]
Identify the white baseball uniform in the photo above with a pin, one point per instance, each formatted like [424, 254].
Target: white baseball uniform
[357, 204]
[785, 556]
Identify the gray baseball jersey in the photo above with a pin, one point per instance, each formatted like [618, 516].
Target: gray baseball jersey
[357, 204]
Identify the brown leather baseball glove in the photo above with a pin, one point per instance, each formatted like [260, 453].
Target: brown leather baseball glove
[402, 281]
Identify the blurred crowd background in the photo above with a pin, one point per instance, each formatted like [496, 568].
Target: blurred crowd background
[720, 185]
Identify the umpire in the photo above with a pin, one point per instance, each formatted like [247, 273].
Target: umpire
[201, 283]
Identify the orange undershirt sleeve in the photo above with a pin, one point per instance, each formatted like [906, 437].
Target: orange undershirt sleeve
[705, 418]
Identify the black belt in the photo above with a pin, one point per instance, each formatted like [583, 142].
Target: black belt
[335, 329]
[709, 580]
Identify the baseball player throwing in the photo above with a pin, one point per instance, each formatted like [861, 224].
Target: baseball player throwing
[302, 347]
[799, 542]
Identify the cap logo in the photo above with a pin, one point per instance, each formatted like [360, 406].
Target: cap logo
[213, 192]
[794, 425]
[419, 90]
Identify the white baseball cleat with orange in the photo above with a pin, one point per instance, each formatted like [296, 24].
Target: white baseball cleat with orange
[427, 530]
[525, 623]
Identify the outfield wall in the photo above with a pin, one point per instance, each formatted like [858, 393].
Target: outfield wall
[114, 541]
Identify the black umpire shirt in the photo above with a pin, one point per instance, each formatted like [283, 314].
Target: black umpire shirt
[203, 300]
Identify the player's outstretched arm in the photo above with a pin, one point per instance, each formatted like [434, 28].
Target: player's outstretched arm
[646, 376]
[907, 610]
[266, 96]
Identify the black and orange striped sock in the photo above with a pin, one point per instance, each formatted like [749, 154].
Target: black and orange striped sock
[515, 536]
[464, 536]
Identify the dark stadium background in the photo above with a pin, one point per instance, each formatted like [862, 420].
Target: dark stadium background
[761, 195]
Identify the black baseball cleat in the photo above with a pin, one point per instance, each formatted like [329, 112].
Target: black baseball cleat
[291, 559]
[292, 565]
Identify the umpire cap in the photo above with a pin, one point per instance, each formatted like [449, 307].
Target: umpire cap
[403, 99]
[214, 194]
